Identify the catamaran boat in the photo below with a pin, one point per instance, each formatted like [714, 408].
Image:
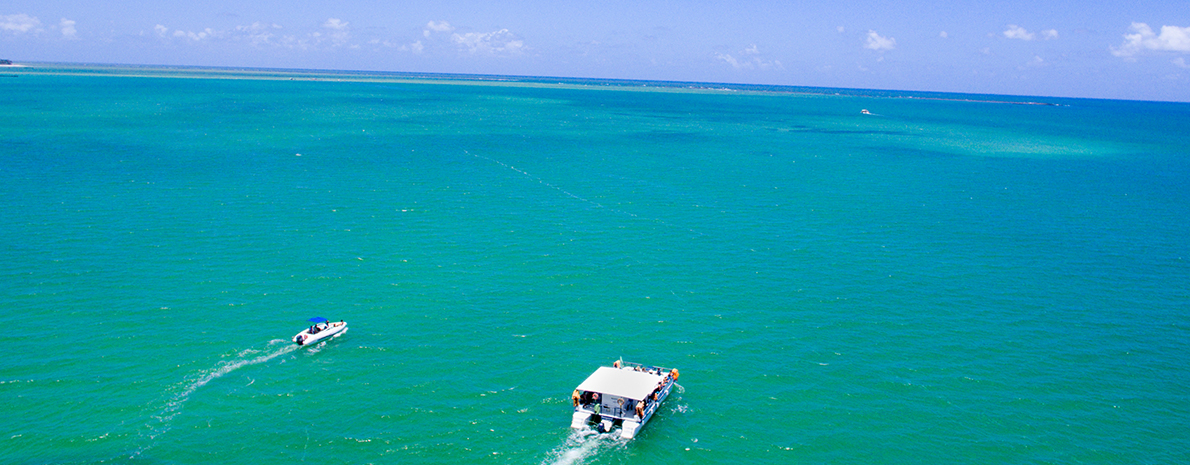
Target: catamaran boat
[321, 329]
[625, 394]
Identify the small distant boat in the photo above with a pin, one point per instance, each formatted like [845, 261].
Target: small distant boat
[321, 329]
[865, 111]
[625, 394]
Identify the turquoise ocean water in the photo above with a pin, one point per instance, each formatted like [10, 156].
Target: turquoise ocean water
[945, 281]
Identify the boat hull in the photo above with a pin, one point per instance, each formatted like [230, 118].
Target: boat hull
[332, 330]
[612, 395]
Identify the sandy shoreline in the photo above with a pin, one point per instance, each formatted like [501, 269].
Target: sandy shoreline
[195, 72]
[186, 72]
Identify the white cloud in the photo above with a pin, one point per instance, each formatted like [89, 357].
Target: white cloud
[416, 47]
[207, 33]
[436, 26]
[943, 35]
[336, 24]
[258, 33]
[1036, 62]
[19, 23]
[755, 62]
[876, 42]
[339, 33]
[68, 30]
[1171, 39]
[1181, 63]
[258, 27]
[840, 29]
[491, 43]
[1017, 32]
[729, 59]
[439, 26]
[390, 44]
[204, 34]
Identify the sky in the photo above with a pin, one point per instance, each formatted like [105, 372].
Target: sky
[1136, 50]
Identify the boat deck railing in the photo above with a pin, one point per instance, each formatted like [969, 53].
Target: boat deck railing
[648, 368]
[628, 410]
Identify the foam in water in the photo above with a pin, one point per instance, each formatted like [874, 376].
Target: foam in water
[316, 348]
[581, 445]
[173, 406]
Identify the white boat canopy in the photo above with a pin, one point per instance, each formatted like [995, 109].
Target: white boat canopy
[635, 385]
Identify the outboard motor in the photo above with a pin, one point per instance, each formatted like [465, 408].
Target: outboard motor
[301, 340]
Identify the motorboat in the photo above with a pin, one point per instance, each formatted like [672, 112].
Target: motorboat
[625, 394]
[865, 112]
[320, 330]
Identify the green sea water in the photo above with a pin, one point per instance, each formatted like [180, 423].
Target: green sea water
[946, 280]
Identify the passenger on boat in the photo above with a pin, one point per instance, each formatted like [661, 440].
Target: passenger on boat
[576, 398]
[640, 409]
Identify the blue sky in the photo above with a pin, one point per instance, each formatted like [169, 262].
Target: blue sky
[1098, 49]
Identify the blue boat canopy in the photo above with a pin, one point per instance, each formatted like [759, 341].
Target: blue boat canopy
[318, 319]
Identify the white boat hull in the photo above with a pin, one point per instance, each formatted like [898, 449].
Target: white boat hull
[612, 394]
[628, 429]
[331, 330]
[580, 420]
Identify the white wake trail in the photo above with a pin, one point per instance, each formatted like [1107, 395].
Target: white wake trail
[163, 420]
[580, 446]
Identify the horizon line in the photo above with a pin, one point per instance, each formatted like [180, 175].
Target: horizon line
[625, 83]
